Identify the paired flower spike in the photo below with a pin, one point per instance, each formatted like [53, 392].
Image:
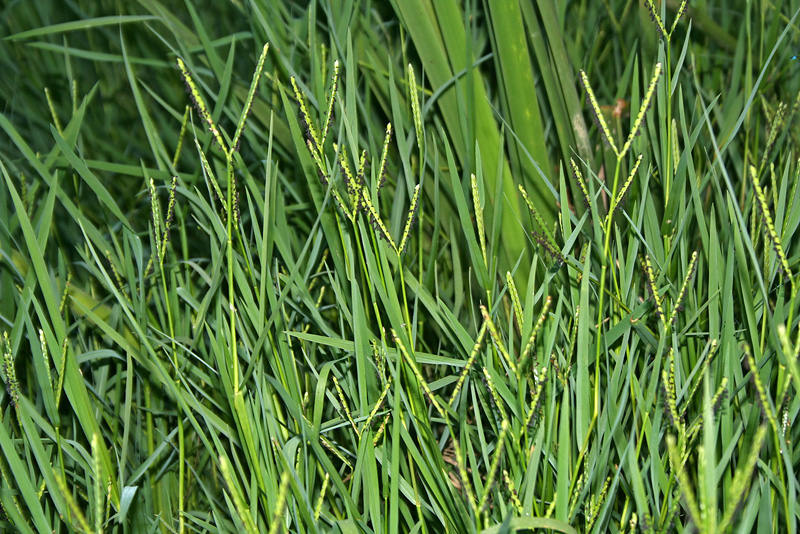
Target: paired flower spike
[358, 192]
[229, 149]
[602, 126]
[656, 18]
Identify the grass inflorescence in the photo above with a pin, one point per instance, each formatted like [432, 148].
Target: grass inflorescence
[378, 275]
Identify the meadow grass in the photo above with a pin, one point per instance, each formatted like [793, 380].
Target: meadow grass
[407, 266]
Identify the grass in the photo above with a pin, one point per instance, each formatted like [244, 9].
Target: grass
[415, 266]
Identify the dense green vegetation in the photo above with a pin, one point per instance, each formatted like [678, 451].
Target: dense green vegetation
[558, 291]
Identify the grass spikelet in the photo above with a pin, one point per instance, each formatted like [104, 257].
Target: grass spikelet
[375, 219]
[384, 158]
[114, 271]
[381, 429]
[513, 492]
[536, 216]
[476, 202]
[342, 205]
[498, 455]
[785, 423]
[323, 176]
[769, 228]
[676, 149]
[305, 118]
[719, 395]
[523, 360]
[497, 402]
[548, 247]
[237, 214]
[712, 351]
[760, 389]
[790, 206]
[464, 474]
[377, 356]
[536, 398]
[517, 304]
[23, 193]
[668, 387]
[65, 294]
[354, 189]
[678, 16]
[376, 408]
[75, 511]
[108, 499]
[238, 501]
[467, 366]
[248, 104]
[580, 484]
[200, 105]
[156, 220]
[595, 504]
[498, 340]
[331, 100]
[683, 481]
[362, 167]
[61, 368]
[211, 178]
[321, 499]
[12, 385]
[97, 508]
[637, 124]
[574, 331]
[632, 523]
[682, 295]
[576, 173]
[411, 221]
[741, 479]
[775, 128]
[546, 239]
[625, 187]
[280, 504]
[53, 114]
[584, 253]
[345, 407]
[170, 210]
[651, 287]
[656, 18]
[597, 114]
[181, 135]
[414, 369]
[773, 185]
[328, 445]
[415, 109]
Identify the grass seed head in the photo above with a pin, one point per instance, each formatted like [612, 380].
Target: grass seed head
[200, 105]
[678, 16]
[656, 18]
[627, 185]
[305, 118]
[646, 101]
[248, 106]
[410, 221]
[576, 173]
[597, 114]
[331, 100]
[12, 385]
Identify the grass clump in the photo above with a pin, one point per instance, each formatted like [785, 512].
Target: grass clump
[341, 282]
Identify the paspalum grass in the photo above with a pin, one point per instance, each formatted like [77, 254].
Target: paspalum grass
[343, 282]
